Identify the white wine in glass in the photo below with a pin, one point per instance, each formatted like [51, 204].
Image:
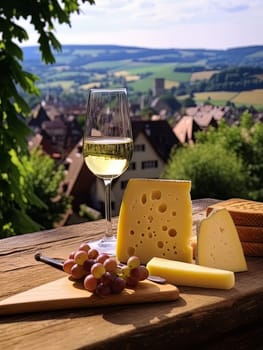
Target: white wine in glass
[107, 147]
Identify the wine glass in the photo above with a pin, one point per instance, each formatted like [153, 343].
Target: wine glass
[107, 147]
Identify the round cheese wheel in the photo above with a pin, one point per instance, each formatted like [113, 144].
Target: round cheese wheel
[252, 249]
[244, 212]
[250, 233]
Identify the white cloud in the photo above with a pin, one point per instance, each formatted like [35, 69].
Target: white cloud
[166, 23]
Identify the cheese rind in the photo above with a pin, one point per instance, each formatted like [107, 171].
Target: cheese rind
[155, 220]
[218, 243]
[187, 274]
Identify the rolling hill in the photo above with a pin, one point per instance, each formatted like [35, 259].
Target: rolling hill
[79, 55]
[79, 67]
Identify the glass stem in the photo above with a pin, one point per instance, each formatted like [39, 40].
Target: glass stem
[107, 183]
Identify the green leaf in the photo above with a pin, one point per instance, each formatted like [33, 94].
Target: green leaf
[21, 185]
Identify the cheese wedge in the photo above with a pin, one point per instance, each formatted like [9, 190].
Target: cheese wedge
[155, 220]
[185, 274]
[218, 243]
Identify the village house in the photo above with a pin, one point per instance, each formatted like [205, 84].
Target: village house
[197, 119]
[61, 132]
[153, 141]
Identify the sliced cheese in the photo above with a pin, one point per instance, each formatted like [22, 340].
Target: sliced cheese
[218, 243]
[186, 274]
[155, 220]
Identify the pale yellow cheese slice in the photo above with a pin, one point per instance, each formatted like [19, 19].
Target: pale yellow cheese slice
[186, 274]
[218, 243]
[155, 220]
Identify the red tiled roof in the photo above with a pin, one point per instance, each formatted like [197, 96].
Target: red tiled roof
[184, 129]
[197, 119]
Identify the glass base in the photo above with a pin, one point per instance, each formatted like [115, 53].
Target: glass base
[105, 245]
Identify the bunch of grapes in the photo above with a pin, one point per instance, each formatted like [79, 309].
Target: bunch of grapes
[103, 274]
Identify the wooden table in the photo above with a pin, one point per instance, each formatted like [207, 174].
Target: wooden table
[200, 318]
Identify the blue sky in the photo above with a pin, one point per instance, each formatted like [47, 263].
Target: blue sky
[209, 24]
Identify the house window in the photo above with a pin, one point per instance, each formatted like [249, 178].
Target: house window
[149, 164]
[132, 166]
[139, 148]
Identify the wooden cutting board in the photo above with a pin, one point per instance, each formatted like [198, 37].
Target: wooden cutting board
[65, 294]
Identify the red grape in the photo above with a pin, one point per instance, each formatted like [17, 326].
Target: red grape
[140, 273]
[85, 247]
[143, 273]
[90, 283]
[102, 257]
[97, 270]
[87, 265]
[103, 290]
[80, 257]
[67, 265]
[71, 255]
[135, 273]
[93, 253]
[133, 262]
[110, 264]
[131, 282]
[77, 272]
[117, 286]
[107, 278]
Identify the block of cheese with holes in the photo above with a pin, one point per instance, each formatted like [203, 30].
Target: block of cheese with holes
[185, 274]
[218, 243]
[155, 220]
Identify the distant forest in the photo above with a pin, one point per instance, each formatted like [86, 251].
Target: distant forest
[230, 79]
[77, 55]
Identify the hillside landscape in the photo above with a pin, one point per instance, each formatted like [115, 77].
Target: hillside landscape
[79, 67]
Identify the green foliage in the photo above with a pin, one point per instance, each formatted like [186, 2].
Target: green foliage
[16, 192]
[211, 175]
[148, 112]
[246, 141]
[88, 213]
[46, 180]
[171, 101]
[189, 102]
[225, 162]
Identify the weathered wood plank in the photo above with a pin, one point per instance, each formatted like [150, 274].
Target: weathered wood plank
[213, 319]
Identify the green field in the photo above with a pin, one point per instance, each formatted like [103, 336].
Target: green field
[81, 68]
[108, 65]
[203, 75]
[154, 71]
[146, 74]
[253, 97]
[64, 84]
